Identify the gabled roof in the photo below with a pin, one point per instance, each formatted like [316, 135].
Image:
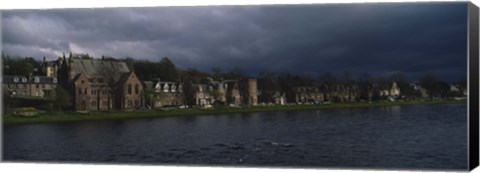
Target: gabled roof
[124, 77]
[148, 84]
[18, 79]
[94, 67]
[77, 76]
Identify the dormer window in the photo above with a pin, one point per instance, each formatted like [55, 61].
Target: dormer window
[24, 79]
[37, 79]
[55, 80]
[173, 88]
[165, 88]
[15, 79]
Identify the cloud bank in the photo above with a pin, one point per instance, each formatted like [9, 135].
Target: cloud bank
[378, 39]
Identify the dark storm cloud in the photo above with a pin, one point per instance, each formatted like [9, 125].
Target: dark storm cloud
[379, 39]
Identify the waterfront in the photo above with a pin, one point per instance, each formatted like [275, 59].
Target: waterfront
[415, 136]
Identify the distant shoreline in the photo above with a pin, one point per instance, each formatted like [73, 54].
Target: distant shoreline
[117, 115]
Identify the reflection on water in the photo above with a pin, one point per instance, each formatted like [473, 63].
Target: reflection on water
[421, 136]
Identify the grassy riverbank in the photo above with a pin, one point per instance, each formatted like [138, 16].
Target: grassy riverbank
[113, 115]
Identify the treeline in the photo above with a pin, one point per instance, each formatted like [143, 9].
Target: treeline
[20, 65]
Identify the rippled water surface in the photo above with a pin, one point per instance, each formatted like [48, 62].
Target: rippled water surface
[411, 137]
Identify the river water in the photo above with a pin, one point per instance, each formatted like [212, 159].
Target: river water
[396, 137]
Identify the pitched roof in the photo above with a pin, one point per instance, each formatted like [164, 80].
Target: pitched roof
[148, 84]
[94, 67]
[124, 78]
[18, 79]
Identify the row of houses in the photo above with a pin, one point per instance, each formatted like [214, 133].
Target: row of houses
[323, 94]
[96, 84]
[224, 92]
[34, 87]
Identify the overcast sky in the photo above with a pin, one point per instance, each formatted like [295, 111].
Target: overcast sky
[378, 39]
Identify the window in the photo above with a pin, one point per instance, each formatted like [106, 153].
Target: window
[85, 91]
[79, 91]
[37, 86]
[104, 104]
[137, 103]
[129, 89]
[37, 79]
[93, 104]
[82, 81]
[136, 88]
[129, 104]
[15, 79]
[94, 92]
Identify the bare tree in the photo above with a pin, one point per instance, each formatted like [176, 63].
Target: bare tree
[110, 75]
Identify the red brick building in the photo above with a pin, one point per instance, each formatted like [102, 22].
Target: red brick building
[101, 85]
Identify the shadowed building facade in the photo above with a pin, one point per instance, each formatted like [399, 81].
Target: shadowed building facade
[101, 85]
[34, 87]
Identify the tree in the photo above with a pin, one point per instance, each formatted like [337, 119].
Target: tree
[110, 74]
[268, 83]
[215, 94]
[429, 81]
[235, 73]
[19, 66]
[402, 83]
[366, 86]
[327, 83]
[217, 73]
[151, 96]
[168, 70]
[399, 78]
[62, 99]
[188, 89]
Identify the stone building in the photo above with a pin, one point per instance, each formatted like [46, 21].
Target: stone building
[250, 93]
[34, 87]
[202, 95]
[393, 91]
[306, 94]
[165, 93]
[227, 92]
[418, 88]
[344, 93]
[101, 85]
[272, 97]
[50, 68]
